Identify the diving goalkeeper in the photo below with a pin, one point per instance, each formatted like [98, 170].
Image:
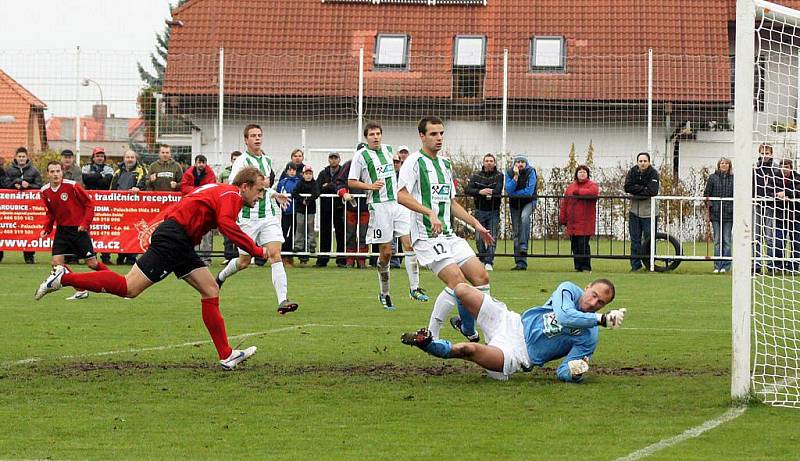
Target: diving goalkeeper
[566, 326]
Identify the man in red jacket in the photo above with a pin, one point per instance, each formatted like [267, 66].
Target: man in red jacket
[579, 213]
[171, 250]
[69, 206]
[199, 175]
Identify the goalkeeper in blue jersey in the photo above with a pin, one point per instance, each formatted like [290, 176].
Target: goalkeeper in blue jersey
[564, 327]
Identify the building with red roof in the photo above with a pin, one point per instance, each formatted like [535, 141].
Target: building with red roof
[21, 119]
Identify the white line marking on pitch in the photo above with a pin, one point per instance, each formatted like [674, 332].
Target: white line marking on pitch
[176, 346]
[693, 432]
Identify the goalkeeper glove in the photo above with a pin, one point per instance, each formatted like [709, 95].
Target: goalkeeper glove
[578, 367]
[613, 318]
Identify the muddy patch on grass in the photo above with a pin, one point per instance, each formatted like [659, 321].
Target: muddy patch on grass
[377, 370]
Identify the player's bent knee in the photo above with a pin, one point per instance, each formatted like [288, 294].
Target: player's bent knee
[462, 289]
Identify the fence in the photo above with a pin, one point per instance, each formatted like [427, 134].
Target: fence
[683, 232]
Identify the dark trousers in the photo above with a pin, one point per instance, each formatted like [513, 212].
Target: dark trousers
[231, 252]
[638, 228]
[287, 224]
[490, 220]
[581, 252]
[787, 231]
[331, 225]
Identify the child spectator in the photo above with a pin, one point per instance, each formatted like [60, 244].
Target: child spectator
[286, 186]
[304, 210]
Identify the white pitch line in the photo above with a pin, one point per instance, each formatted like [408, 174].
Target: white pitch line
[176, 346]
[693, 432]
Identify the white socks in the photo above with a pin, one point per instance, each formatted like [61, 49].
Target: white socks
[383, 276]
[412, 269]
[279, 281]
[445, 303]
[230, 269]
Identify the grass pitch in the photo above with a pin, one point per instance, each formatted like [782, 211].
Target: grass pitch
[106, 378]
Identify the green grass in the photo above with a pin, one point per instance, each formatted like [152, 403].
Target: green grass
[333, 381]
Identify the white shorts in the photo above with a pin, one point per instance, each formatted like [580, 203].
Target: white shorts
[387, 221]
[262, 231]
[503, 330]
[439, 252]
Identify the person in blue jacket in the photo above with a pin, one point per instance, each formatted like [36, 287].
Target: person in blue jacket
[564, 327]
[521, 190]
[286, 186]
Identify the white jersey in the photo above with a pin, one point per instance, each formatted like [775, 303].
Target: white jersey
[266, 208]
[430, 181]
[369, 166]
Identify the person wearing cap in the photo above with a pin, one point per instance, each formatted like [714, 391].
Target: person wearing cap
[331, 213]
[71, 170]
[97, 174]
[521, 182]
[305, 208]
[165, 173]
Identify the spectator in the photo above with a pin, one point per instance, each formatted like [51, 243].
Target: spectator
[130, 175]
[97, 176]
[165, 173]
[357, 217]
[486, 186]
[521, 190]
[223, 177]
[71, 170]
[305, 209]
[787, 189]
[764, 177]
[22, 175]
[579, 214]
[332, 212]
[230, 250]
[296, 158]
[196, 176]
[642, 183]
[720, 213]
[286, 186]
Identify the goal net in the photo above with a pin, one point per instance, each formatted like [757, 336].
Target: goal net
[774, 241]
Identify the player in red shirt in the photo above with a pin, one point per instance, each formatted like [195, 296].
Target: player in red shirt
[69, 206]
[172, 250]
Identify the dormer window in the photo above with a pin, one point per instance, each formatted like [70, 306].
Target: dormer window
[391, 52]
[548, 54]
[469, 51]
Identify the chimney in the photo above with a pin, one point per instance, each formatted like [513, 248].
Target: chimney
[99, 111]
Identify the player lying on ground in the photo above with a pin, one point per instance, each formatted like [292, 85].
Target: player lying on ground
[566, 326]
[172, 250]
[69, 207]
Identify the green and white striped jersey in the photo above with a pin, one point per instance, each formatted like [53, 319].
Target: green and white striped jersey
[266, 208]
[371, 165]
[430, 181]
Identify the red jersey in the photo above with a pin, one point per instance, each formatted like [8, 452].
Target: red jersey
[213, 206]
[67, 205]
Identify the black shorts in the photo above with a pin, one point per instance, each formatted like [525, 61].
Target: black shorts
[170, 251]
[69, 242]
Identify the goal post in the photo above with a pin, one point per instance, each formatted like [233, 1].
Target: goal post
[766, 228]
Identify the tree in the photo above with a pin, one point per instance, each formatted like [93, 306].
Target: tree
[154, 81]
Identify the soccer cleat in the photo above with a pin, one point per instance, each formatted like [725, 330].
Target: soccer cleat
[386, 300]
[78, 295]
[418, 294]
[287, 306]
[488, 267]
[52, 282]
[455, 322]
[237, 357]
[421, 338]
[219, 282]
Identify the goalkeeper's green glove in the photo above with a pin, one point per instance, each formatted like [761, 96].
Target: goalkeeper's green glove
[578, 367]
[613, 318]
